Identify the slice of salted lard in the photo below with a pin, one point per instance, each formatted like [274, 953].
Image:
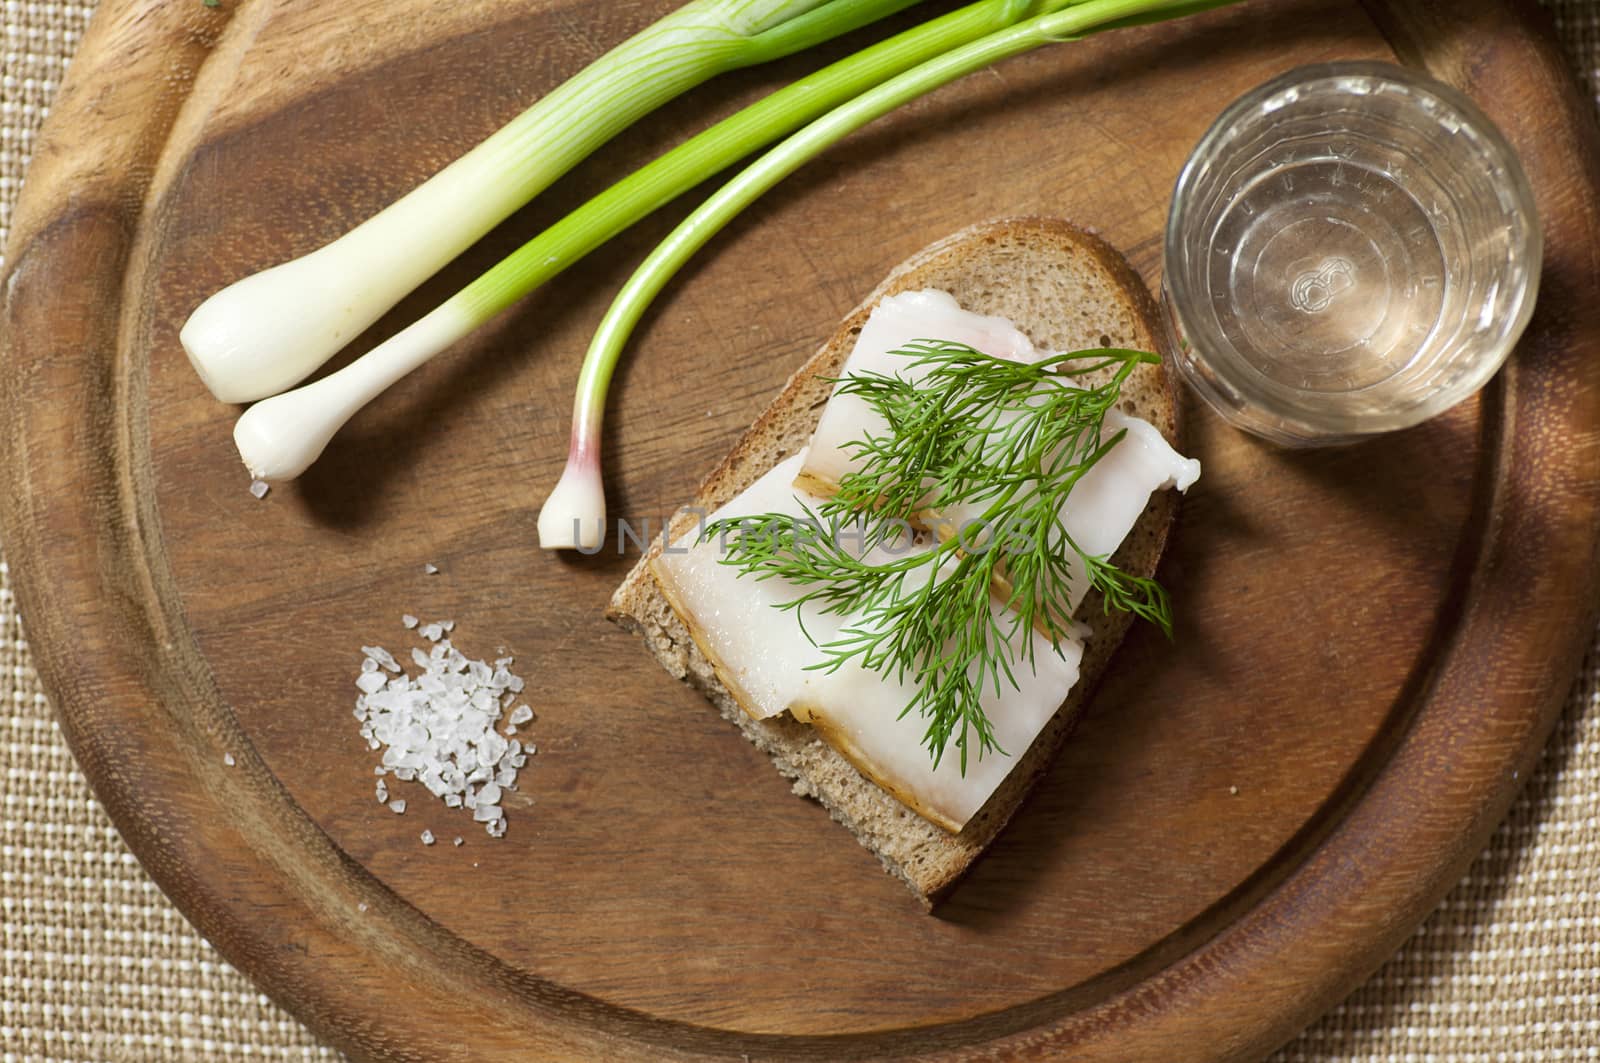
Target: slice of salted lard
[765, 660]
[756, 648]
[1103, 506]
[896, 321]
[1106, 503]
[862, 715]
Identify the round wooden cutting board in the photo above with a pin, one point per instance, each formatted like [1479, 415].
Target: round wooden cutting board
[1373, 641]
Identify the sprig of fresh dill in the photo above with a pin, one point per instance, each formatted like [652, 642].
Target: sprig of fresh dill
[970, 431]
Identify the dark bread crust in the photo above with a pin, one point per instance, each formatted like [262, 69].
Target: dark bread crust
[1066, 289]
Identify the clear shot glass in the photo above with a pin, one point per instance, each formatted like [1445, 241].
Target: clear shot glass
[1352, 249]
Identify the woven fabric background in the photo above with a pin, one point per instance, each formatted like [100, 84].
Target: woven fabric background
[96, 964]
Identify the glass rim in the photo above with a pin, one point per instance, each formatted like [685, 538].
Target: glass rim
[1326, 423]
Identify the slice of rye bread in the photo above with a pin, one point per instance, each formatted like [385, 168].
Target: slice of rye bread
[1067, 290]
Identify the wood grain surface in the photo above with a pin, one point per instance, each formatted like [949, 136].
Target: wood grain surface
[1373, 640]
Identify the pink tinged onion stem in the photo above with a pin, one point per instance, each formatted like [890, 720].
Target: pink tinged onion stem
[574, 516]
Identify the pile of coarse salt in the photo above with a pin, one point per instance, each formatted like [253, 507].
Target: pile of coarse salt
[438, 728]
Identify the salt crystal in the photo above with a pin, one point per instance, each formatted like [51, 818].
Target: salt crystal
[408, 621]
[227, 758]
[430, 569]
[369, 665]
[371, 682]
[361, 906]
[427, 837]
[521, 714]
[458, 840]
[382, 656]
[397, 806]
[259, 488]
[515, 685]
[431, 632]
[486, 813]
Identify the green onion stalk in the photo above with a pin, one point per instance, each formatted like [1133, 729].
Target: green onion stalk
[280, 437]
[272, 329]
[574, 514]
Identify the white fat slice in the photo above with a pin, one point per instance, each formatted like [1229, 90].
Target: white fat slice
[762, 657]
[859, 713]
[757, 649]
[1103, 507]
[896, 321]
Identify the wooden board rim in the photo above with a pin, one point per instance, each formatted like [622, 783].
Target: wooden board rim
[1481, 719]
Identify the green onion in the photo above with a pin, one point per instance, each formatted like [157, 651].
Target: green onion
[574, 514]
[279, 438]
[272, 329]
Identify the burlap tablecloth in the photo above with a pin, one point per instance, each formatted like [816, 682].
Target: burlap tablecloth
[99, 965]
